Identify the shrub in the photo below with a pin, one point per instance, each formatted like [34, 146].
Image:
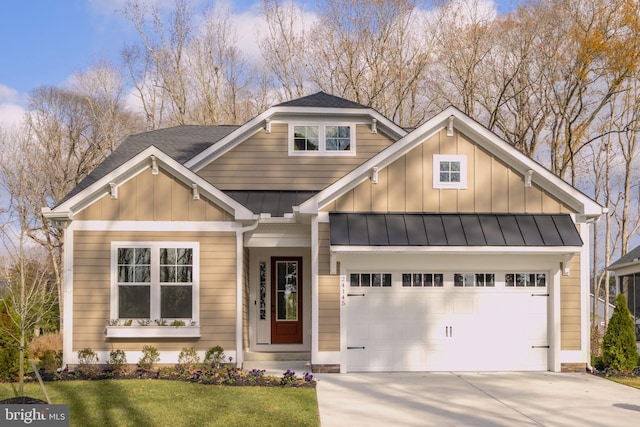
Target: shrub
[87, 362]
[39, 345]
[619, 350]
[188, 358]
[214, 356]
[50, 361]
[150, 356]
[117, 360]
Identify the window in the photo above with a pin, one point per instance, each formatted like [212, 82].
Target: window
[449, 171]
[318, 139]
[630, 287]
[422, 280]
[524, 280]
[155, 281]
[370, 280]
[474, 280]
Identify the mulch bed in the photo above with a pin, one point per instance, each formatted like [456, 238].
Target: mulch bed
[24, 400]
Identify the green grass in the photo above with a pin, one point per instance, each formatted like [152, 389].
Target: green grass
[630, 381]
[143, 403]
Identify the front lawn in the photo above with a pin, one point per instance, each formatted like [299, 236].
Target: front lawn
[630, 381]
[176, 403]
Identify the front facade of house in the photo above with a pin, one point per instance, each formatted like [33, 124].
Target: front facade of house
[322, 228]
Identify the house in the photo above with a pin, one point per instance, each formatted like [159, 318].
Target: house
[322, 229]
[627, 272]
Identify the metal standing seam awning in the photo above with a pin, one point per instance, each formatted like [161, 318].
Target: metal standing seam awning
[415, 230]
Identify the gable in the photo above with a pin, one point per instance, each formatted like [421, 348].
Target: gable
[501, 178]
[407, 184]
[149, 197]
[262, 162]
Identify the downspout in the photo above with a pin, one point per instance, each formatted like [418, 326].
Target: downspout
[239, 288]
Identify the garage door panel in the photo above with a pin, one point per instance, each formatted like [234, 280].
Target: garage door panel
[449, 329]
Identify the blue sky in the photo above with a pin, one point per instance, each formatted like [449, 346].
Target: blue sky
[45, 41]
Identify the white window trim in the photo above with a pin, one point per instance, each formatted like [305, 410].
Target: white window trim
[322, 141]
[135, 330]
[437, 159]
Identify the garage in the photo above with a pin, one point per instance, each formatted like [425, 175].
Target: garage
[450, 292]
[488, 322]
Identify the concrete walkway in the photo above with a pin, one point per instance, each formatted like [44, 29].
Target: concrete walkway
[475, 399]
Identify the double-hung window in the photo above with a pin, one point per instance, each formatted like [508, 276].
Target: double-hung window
[155, 280]
[333, 139]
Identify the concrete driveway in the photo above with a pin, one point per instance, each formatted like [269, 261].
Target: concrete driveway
[475, 399]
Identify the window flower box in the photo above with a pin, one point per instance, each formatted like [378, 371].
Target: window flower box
[153, 331]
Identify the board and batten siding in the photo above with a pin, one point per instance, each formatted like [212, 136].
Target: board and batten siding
[92, 288]
[262, 162]
[406, 185]
[148, 197]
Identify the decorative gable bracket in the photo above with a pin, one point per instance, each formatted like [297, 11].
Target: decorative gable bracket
[113, 190]
[565, 263]
[195, 192]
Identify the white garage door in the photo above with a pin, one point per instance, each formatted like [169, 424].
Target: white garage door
[485, 323]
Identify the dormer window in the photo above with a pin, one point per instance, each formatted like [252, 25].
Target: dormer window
[322, 139]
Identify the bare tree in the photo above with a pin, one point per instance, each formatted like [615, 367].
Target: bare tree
[27, 296]
[65, 135]
[283, 46]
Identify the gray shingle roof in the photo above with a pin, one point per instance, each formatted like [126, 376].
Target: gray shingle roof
[373, 229]
[180, 143]
[632, 256]
[276, 203]
[321, 99]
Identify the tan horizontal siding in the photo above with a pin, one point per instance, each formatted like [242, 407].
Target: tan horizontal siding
[407, 185]
[262, 162]
[570, 308]
[92, 290]
[324, 243]
[329, 313]
[148, 197]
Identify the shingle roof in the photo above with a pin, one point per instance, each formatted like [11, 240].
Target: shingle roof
[180, 143]
[372, 229]
[276, 203]
[321, 99]
[632, 256]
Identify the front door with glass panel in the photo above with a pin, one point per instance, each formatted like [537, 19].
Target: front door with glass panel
[286, 300]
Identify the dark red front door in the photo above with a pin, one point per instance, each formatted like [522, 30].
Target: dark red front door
[286, 300]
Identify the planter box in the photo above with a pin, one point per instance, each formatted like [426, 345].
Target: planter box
[153, 331]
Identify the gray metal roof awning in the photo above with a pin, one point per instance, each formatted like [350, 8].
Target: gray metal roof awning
[428, 229]
[276, 203]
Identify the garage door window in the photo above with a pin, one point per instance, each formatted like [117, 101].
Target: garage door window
[422, 280]
[481, 280]
[524, 280]
[370, 280]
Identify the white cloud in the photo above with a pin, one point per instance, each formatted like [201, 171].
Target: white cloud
[11, 107]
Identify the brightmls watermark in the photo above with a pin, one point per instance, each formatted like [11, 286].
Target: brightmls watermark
[34, 415]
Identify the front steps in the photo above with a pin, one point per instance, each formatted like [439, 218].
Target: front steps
[276, 363]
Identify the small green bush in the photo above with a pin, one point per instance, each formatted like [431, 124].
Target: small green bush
[598, 363]
[214, 356]
[50, 361]
[188, 359]
[619, 350]
[150, 356]
[117, 360]
[87, 362]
